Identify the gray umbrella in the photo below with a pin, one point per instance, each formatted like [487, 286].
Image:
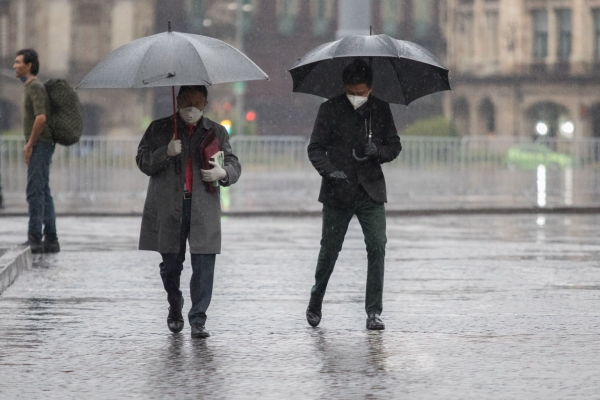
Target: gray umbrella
[172, 59]
[402, 71]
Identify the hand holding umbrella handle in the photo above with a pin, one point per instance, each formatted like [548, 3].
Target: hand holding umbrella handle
[354, 151]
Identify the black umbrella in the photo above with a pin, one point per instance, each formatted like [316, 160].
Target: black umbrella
[402, 71]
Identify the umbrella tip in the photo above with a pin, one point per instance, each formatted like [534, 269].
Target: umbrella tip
[170, 30]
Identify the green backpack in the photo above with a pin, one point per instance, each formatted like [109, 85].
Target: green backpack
[65, 121]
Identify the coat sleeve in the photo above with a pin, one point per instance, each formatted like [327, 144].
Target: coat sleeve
[319, 141]
[150, 159]
[390, 145]
[231, 163]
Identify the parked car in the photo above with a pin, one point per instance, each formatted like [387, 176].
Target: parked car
[530, 155]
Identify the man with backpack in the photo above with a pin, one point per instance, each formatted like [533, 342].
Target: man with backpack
[37, 153]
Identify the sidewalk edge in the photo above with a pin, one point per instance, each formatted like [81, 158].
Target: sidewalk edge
[12, 263]
[394, 212]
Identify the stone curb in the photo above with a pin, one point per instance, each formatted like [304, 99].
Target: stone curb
[12, 263]
[390, 212]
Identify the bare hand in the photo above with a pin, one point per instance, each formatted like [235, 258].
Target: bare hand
[27, 150]
[214, 174]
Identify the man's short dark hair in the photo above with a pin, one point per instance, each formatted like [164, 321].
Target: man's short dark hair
[193, 88]
[30, 56]
[358, 72]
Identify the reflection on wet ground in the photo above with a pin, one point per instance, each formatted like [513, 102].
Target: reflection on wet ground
[480, 307]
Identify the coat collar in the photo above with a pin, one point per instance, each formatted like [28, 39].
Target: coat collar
[362, 110]
[204, 123]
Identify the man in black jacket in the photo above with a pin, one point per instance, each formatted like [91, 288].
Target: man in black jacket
[354, 134]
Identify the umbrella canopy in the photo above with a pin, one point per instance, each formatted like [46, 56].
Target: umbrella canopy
[402, 71]
[172, 59]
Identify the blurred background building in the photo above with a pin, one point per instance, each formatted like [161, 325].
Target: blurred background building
[71, 36]
[524, 67]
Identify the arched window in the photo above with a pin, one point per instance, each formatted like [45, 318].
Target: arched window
[460, 115]
[487, 117]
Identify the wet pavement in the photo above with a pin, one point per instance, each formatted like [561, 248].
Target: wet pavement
[481, 307]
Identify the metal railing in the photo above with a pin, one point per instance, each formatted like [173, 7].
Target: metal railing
[486, 168]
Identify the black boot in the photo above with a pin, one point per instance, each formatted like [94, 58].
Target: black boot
[35, 244]
[51, 244]
[313, 312]
[175, 318]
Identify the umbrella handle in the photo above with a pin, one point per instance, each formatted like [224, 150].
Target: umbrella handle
[174, 113]
[175, 136]
[357, 158]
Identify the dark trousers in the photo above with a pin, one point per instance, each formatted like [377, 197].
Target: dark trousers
[203, 270]
[39, 199]
[371, 216]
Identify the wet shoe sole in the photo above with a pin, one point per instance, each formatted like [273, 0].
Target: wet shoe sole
[51, 248]
[376, 328]
[312, 318]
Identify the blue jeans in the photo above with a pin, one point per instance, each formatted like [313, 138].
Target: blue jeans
[203, 273]
[39, 199]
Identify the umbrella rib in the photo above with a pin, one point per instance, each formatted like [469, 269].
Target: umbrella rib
[210, 80]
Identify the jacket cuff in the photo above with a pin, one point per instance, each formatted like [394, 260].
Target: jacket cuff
[227, 181]
[160, 155]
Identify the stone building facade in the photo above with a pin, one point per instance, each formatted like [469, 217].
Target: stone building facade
[524, 67]
[71, 36]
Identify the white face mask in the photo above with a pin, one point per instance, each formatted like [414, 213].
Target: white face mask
[357, 101]
[191, 115]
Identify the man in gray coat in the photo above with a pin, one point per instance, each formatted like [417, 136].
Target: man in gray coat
[180, 208]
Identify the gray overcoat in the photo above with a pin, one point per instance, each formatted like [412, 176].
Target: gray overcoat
[161, 220]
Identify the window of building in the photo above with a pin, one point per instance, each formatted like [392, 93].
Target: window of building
[287, 11]
[4, 31]
[596, 18]
[539, 19]
[492, 46]
[390, 15]
[89, 14]
[563, 22]
[465, 29]
[322, 12]
[423, 17]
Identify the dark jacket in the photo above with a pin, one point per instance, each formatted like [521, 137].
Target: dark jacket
[161, 220]
[339, 129]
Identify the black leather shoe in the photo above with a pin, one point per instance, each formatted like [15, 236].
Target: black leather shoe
[175, 319]
[313, 317]
[35, 244]
[375, 323]
[198, 331]
[51, 246]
